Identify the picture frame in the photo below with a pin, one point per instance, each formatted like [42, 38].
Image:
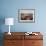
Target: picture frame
[26, 15]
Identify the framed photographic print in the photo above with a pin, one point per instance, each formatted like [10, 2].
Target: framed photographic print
[26, 15]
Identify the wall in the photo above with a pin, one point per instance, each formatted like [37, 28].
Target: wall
[9, 8]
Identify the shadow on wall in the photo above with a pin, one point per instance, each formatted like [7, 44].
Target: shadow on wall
[1, 39]
[2, 21]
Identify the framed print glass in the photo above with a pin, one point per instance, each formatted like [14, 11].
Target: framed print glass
[26, 15]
